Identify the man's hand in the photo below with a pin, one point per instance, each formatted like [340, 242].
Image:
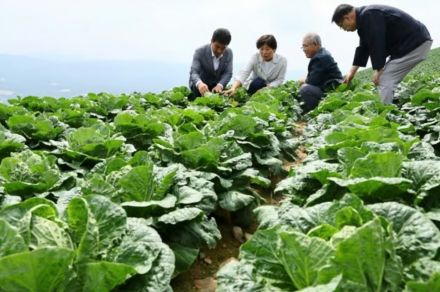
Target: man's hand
[301, 81]
[217, 89]
[203, 88]
[350, 75]
[376, 76]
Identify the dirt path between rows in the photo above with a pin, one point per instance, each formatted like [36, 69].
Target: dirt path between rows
[201, 275]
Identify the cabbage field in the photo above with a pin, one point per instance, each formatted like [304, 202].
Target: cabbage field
[121, 193]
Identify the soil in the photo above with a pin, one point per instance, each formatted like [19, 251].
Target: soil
[201, 276]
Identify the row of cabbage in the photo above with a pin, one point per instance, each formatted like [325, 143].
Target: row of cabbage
[362, 212]
[106, 192]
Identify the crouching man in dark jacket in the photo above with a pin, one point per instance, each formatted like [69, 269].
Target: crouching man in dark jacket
[211, 68]
[385, 32]
[323, 72]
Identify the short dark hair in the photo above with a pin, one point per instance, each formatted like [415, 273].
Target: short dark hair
[221, 35]
[340, 12]
[268, 40]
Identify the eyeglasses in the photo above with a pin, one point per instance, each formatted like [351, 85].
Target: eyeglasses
[305, 46]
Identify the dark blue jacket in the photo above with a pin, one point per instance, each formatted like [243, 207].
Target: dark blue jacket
[323, 71]
[386, 31]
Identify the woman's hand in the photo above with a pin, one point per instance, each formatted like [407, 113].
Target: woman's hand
[217, 89]
[229, 92]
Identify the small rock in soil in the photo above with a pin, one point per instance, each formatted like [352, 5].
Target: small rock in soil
[231, 259]
[207, 260]
[237, 232]
[247, 236]
[202, 255]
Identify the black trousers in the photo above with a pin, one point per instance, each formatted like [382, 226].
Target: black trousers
[310, 96]
[256, 84]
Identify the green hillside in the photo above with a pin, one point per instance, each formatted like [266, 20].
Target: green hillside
[429, 66]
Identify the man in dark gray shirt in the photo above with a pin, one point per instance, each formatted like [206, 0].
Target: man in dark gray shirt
[211, 68]
[385, 32]
[323, 72]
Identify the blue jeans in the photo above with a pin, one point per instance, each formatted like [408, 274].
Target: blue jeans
[256, 85]
[310, 95]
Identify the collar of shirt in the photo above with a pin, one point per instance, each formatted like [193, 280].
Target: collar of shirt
[274, 60]
[317, 54]
[218, 58]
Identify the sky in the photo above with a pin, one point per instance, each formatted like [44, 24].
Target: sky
[169, 31]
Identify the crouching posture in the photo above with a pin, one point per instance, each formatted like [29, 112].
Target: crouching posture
[323, 73]
[211, 68]
[265, 68]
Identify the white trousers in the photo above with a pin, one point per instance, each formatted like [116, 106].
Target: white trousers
[395, 70]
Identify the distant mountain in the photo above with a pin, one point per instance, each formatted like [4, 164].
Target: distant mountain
[20, 75]
[29, 76]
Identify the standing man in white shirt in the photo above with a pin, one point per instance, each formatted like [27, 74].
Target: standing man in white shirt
[266, 68]
[211, 68]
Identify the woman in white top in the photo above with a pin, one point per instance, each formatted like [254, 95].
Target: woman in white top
[265, 69]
